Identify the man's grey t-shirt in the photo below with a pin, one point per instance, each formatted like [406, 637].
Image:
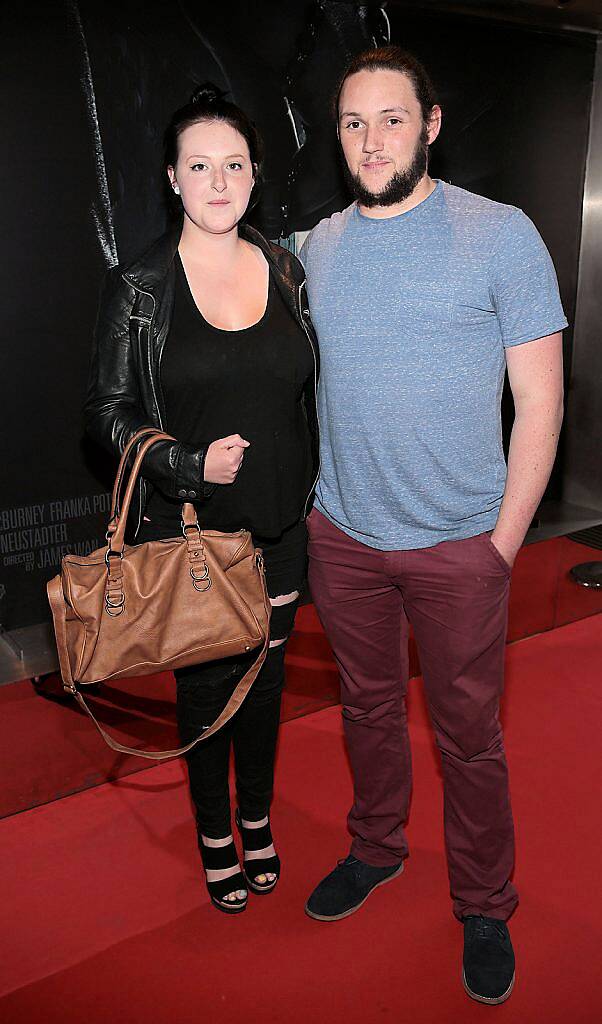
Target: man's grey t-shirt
[413, 314]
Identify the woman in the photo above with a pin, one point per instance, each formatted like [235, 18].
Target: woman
[207, 337]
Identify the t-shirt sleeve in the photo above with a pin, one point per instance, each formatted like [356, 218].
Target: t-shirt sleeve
[524, 284]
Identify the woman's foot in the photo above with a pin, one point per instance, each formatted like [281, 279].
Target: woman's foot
[225, 881]
[261, 864]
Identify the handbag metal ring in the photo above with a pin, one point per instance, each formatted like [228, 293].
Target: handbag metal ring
[190, 526]
[201, 585]
[199, 576]
[112, 607]
[112, 554]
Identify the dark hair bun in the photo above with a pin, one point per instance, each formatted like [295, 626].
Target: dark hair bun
[206, 94]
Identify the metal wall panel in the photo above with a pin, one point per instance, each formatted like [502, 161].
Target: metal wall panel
[582, 463]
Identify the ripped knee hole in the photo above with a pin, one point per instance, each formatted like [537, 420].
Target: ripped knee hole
[284, 599]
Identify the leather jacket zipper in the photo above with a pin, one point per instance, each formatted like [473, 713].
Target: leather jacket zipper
[150, 322]
[152, 381]
[304, 325]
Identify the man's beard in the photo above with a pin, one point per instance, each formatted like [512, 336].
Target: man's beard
[400, 185]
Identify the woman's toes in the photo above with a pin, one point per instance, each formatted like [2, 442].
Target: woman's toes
[232, 897]
[265, 879]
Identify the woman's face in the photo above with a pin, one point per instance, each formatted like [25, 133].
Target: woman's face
[214, 174]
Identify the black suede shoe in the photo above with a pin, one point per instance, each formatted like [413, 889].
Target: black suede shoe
[344, 890]
[488, 973]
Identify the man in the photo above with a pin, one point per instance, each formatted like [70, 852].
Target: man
[422, 295]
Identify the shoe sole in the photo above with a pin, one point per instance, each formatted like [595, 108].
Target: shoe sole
[234, 908]
[492, 1001]
[347, 913]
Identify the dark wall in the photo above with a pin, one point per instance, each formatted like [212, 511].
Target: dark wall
[81, 163]
[516, 107]
[87, 90]
[50, 266]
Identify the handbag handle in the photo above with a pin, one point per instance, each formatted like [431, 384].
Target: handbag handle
[154, 435]
[133, 441]
[235, 701]
[116, 527]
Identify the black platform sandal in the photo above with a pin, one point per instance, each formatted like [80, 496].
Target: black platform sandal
[255, 839]
[216, 858]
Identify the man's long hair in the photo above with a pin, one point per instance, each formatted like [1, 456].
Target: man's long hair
[392, 58]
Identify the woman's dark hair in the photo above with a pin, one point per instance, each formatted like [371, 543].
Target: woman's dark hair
[392, 58]
[208, 103]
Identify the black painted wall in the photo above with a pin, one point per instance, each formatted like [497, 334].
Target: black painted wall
[516, 107]
[81, 189]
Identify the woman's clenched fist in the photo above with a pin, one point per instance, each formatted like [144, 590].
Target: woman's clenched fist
[224, 459]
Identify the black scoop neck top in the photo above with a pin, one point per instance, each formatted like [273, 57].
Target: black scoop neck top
[217, 382]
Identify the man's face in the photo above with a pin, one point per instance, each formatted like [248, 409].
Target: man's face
[383, 136]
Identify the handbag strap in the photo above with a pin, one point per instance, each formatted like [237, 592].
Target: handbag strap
[116, 529]
[119, 514]
[127, 451]
[56, 598]
[230, 709]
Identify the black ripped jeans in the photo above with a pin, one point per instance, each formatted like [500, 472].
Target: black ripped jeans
[203, 691]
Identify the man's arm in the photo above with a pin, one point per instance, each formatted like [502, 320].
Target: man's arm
[535, 375]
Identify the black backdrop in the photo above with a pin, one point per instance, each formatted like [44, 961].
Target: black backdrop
[517, 108]
[88, 88]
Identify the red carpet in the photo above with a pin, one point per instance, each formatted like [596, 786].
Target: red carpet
[104, 917]
[64, 753]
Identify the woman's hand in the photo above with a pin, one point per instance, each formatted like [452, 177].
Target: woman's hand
[224, 459]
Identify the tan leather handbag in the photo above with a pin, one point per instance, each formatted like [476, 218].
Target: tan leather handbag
[132, 610]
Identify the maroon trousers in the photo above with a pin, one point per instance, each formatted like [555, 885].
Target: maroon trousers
[455, 595]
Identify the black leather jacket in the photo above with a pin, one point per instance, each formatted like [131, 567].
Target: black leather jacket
[124, 391]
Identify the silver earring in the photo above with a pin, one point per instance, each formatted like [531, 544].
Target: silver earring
[176, 189]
